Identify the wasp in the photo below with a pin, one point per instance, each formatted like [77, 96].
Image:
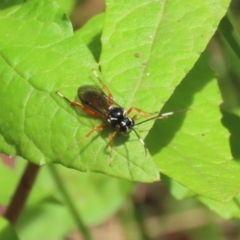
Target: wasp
[98, 102]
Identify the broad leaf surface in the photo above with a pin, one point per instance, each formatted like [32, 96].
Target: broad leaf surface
[92, 38]
[40, 55]
[167, 45]
[227, 210]
[67, 6]
[147, 48]
[6, 230]
[197, 154]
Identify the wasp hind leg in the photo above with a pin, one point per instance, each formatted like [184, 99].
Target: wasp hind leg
[105, 88]
[111, 136]
[84, 108]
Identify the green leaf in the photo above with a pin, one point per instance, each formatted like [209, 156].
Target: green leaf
[168, 44]
[6, 230]
[177, 190]
[40, 55]
[92, 38]
[90, 193]
[168, 37]
[147, 55]
[141, 62]
[41, 216]
[227, 210]
[197, 155]
[67, 6]
[9, 178]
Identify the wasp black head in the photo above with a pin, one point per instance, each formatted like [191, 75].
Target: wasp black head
[117, 119]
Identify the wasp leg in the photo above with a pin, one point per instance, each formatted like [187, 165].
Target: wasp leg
[97, 128]
[111, 136]
[105, 88]
[141, 141]
[84, 108]
[140, 113]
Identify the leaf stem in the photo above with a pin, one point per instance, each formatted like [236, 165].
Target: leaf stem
[21, 194]
[73, 210]
[140, 218]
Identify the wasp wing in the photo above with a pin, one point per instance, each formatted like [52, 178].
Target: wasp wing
[94, 97]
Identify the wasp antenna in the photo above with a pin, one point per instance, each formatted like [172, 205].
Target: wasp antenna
[60, 95]
[163, 115]
[95, 73]
[141, 141]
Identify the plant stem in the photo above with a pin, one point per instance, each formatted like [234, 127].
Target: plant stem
[73, 210]
[140, 220]
[21, 194]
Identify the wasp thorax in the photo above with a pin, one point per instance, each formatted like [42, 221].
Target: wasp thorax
[115, 116]
[116, 113]
[118, 120]
[126, 125]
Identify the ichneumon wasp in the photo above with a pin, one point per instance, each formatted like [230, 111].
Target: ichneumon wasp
[98, 102]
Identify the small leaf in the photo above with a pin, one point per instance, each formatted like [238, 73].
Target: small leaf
[141, 60]
[52, 59]
[227, 210]
[197, 154]
[6, 230]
